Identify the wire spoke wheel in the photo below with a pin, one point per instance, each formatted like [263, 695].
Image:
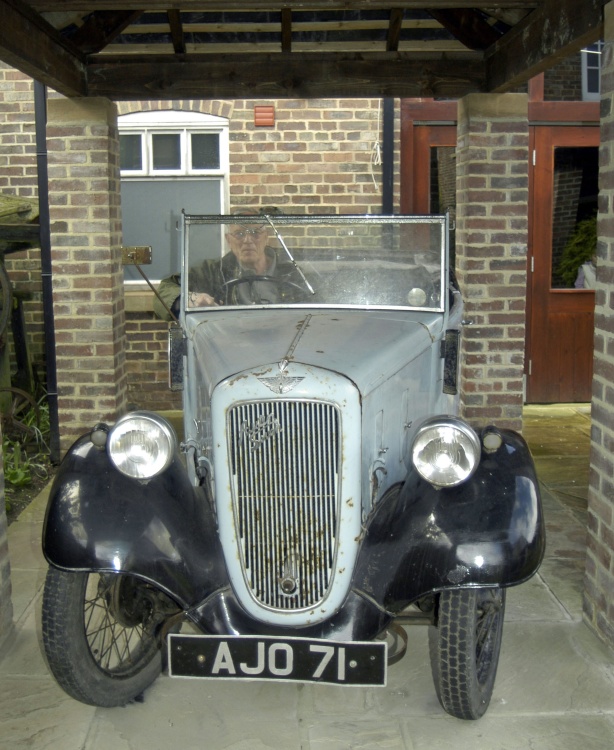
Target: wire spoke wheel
[464, 647]
[101, 634]
[118, 622]
[21, 419]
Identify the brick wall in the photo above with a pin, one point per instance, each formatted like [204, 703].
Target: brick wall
[317, 158]
[599, 578]
[563, 82]
[491, 254]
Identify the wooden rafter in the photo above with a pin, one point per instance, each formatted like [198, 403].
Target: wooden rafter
[557, 29]
[30, 44]
[394, 29]
[101, 28]
[177, 35]
[286, 30]
[468, 26]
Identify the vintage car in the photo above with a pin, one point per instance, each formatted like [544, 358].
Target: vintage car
[324, 491]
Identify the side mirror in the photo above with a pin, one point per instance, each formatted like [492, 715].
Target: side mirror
[176, 353]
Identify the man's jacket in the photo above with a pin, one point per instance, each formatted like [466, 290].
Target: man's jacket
[215, 278]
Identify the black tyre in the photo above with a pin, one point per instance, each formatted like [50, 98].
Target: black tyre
[464, 646]
[100, 635]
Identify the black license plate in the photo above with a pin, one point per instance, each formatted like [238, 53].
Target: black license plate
[282, 659]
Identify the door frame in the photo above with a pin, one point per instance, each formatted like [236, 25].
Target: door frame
[425, 123]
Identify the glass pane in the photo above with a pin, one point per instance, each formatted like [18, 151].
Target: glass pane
[130, 152]
[166, 151]
[205, 151]
[574, 221]
[337, 261]
[592, 80]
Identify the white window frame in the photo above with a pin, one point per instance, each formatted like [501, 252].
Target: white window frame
[148, 124]
[588, 53]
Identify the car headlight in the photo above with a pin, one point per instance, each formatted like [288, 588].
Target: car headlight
[446, 451]
[141, 445]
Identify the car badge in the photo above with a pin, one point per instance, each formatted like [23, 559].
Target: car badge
[282, 382]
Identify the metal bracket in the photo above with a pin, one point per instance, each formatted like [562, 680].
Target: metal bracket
[136, 255]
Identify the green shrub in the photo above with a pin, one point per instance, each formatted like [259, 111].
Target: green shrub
[579, 249]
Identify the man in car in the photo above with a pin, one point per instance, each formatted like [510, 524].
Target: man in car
[236, 279]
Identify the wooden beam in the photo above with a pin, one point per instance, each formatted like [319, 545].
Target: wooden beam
[28, 233]
[394, 29]
[286, 30]
[468, 26]
[226, 5]
[30, 44]
[177, 35]
[551, 33]
[307, 75]
[101, 28]
[435, 47]
[268, 27]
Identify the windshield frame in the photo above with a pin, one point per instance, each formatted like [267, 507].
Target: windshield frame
[278, 221]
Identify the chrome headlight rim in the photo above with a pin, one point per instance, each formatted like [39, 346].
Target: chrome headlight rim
[150, 433]
[466, 437]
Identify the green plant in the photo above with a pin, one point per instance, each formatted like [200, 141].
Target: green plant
[17, 469]
[579, 249]
[25, 451]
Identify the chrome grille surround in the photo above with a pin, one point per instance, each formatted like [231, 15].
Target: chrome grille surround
[284, 460]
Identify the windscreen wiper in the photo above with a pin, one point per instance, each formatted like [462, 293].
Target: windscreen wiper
[310, 289]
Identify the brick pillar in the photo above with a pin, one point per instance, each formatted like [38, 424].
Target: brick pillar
[491, 254]
[599, 578]
[85, 212]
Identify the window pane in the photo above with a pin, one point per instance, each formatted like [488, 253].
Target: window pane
[205, 151]
[574, 227]
[166, 151]
[592, 80]
[130, 152]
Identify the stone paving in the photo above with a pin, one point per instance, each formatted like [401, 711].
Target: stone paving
[554, 690]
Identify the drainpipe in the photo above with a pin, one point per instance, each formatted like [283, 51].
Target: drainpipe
[40, 119]
[388, 156]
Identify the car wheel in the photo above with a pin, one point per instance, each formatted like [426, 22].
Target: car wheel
[464, 646]
[100, 635]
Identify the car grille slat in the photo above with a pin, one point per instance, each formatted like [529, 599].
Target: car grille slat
[285, 483]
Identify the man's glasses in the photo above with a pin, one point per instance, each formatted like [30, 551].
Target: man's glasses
[241, 234]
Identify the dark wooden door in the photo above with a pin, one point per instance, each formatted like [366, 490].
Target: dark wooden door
[560, 317]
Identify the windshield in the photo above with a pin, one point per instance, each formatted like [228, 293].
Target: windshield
[328, 261]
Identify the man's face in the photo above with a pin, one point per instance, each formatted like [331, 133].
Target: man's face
[247, 242]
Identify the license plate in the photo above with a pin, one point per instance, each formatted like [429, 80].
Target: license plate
[282, 659]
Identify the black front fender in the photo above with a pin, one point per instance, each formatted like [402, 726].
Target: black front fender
[162, 530]
[488, 531]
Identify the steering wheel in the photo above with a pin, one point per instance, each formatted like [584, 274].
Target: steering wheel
[279, 281]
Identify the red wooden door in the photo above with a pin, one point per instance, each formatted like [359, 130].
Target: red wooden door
[560, 317]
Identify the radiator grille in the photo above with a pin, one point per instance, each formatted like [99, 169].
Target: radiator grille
[285, 467]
